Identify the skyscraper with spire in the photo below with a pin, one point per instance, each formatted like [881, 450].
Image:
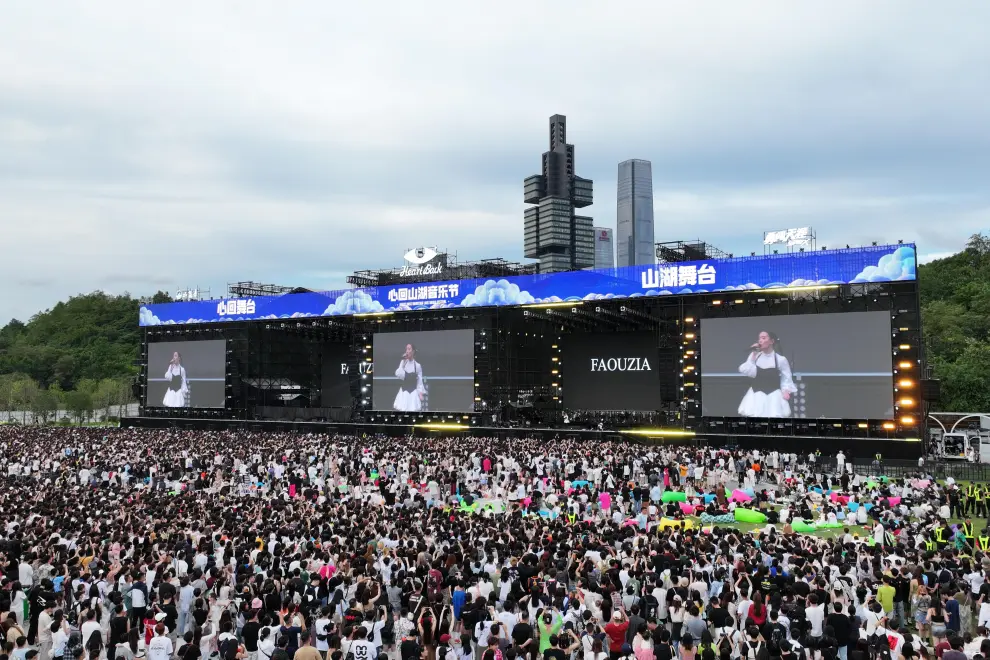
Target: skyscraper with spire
[553, 232]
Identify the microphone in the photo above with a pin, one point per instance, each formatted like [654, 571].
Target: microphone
[754, 347]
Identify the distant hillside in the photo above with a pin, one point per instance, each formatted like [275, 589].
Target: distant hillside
[955, 301]
[78, 355]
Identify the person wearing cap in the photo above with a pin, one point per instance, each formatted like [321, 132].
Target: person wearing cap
[616, 631]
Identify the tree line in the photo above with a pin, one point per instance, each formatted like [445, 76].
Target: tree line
[81, 355]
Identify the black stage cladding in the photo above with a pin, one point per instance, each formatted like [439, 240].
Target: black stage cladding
[844, 364]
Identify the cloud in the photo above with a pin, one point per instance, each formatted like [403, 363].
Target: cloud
[839, 120]
[899, 265]
[147, 318]
[501, 292]
[353, 302]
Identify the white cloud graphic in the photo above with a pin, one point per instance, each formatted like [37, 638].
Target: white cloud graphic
[147, 318]
[898, 265]
[493, 293]
[353, 302]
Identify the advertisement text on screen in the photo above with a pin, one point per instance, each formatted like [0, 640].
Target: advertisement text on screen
[663, 277]
[418, 263]
[239, 307]
[362, 367]
[621, 364]
[792, 237]
[426, 292]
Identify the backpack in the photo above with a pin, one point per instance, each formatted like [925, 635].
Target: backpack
[753, 651]
[724, 644]
[228, 649]
[434, 584]
[776, 637]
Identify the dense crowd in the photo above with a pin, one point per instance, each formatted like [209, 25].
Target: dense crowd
[196, 544]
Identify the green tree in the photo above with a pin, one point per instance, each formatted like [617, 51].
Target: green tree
[44, 404]
[80, 404]
[955, 303]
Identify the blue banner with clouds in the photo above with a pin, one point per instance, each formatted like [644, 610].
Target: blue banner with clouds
[870, 264]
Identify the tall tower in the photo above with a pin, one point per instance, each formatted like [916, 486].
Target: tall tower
[553, 232]
[634, 245]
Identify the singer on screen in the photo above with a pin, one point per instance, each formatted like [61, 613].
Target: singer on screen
[178, 389]
[411, 390]
[772, 384]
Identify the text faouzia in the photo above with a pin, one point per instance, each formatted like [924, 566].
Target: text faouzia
[621, 364]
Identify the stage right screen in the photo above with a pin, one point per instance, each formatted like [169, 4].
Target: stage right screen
[807, 366]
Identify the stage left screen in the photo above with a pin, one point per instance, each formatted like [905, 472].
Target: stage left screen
[187, 374]
[424, 371]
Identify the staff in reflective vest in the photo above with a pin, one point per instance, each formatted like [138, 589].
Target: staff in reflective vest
[983, 541]
[929, 544]
[967, 529]
[970, 501]
[940, 535]
[980, 501]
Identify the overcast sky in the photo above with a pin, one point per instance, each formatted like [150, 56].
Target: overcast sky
[148, 145]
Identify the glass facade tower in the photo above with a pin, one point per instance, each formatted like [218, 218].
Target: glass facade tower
[634, 214]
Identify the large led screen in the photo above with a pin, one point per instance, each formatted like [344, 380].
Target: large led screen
[806, 366]
[187, 374]
[424, 371]
[614, 371]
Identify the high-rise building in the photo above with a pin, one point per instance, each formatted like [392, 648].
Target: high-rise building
[553, 232]
[634, 214]
[604, 254]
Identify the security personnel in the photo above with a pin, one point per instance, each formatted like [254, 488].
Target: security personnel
[980, 496]
[970, 501]
[929, 544]
[940, 536]
[967, 530]
[983, 541]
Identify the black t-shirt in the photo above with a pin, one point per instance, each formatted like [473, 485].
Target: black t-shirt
[718, 616]
[663, 651]
[188, 652]
[250, 635]
[171, 616]
[410, 649]
[118, 630]
[554, 654]
[841, 625]
[521, 633]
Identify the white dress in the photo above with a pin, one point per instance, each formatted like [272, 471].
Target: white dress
[175, 398]
[408, 398]
[772, 376]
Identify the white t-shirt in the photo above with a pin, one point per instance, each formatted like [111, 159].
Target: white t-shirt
[160, 648]
[362, 650]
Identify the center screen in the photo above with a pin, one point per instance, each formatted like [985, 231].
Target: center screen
[807, 366]
[423, 371]
[614, 371]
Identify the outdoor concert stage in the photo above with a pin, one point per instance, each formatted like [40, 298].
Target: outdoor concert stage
[654, 352]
